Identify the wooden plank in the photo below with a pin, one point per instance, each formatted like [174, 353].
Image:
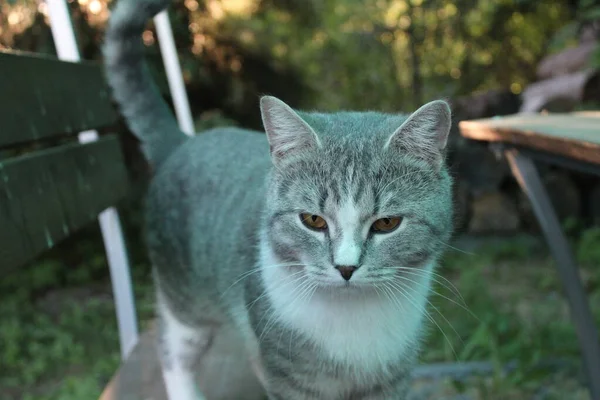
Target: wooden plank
[571, 135]
[592, 114]
[224, 373]
[47, 194]
[41, 97]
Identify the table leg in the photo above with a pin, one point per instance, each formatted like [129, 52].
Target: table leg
[527, 176]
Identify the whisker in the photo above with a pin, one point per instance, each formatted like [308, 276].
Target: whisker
[400, 290]
[265, 291]
[455, 248]
[246, 274]
[434, 307]
[390, 295]
[308, 294]
[300, 296]
[269, 325]
[434, 276]
[271, 309]
[464, 307]
[377, 289]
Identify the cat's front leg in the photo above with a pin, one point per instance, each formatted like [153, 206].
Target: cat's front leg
[179, 346]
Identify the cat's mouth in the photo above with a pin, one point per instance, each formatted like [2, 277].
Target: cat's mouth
[347, 290]
[341, 284]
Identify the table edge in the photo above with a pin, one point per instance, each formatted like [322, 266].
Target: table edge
[577, 149]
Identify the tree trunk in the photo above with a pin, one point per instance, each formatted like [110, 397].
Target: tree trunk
[417, 81]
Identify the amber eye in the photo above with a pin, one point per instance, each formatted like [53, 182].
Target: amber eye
[313, 221]
[386, 225]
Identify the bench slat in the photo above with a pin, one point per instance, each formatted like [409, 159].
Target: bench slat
[42, 97]
[572, 135]
[224, 372]
[47, 194]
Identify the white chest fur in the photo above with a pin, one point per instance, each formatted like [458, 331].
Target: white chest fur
[368, 332]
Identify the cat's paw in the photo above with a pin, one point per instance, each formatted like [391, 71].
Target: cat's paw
[181, 387]
[185, 394]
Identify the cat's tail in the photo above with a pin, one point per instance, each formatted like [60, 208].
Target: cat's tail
[128, 75]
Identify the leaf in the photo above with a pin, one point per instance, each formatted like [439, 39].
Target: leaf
[591, 14]
[595, 59]
[562, 37]
[479, 337]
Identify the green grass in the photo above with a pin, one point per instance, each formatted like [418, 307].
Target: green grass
[58, 334]
[516, 312]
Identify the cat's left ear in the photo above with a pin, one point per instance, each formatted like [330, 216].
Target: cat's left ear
[425, 133]
[287, 132]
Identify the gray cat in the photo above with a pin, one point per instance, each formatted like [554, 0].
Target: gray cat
[316, 242]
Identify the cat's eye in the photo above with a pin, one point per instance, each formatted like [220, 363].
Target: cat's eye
[386, 225]
[313, 221]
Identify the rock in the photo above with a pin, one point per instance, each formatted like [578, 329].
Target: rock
[564, 194]
[494, 212]
[478, 167]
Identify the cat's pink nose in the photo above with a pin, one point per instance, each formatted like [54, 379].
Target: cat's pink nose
[346, 271]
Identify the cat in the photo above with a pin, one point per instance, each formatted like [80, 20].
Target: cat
[316, 242]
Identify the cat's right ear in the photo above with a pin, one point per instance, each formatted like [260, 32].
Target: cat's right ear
[286, 131]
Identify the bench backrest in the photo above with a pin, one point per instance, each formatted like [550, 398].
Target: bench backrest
[50, 184]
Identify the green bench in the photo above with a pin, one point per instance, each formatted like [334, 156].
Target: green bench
[50, 184]
[56, 174]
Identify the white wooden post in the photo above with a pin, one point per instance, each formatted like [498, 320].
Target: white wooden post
[173, 70]
[66, 46]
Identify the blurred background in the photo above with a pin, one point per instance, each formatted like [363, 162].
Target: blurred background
[58, 335]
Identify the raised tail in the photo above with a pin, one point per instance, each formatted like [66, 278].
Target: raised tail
[145, 111]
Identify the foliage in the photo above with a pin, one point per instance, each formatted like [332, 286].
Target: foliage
[328, 54]
[588, 249]
[395, 54]
[510, 311]
[595, 61]
[59, 337]
[586, 13]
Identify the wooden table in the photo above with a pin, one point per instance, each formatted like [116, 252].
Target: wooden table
[571, 141]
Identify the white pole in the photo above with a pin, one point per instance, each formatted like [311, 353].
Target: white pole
[173, 69]
[66, 47]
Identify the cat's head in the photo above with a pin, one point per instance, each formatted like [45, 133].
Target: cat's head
[357, 199]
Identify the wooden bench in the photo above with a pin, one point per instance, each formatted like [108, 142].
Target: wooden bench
[50, 183]
[223, 374]
[571, 141]
[56, 174]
